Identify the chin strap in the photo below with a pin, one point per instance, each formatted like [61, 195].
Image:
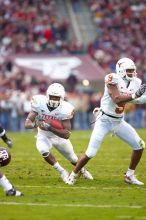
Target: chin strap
[50, 108]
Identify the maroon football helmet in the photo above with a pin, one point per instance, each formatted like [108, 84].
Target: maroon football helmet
[5, 157]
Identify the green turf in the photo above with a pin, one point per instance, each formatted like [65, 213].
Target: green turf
[47, 197]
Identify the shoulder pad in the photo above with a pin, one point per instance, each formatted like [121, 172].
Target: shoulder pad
[67, 110]
[138, 80]
[36, 102]
[111, 78]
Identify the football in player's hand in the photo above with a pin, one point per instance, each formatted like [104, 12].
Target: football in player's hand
[55, 123]
[5, 157]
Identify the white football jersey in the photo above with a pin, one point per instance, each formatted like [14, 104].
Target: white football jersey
[125, 87]
[62, 112]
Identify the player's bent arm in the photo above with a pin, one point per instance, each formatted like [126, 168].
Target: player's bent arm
[30, 120]
[65, 132]
[140, 100]
[116, 96]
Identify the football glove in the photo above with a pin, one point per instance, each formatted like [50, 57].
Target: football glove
[96, 111]
[140, 91]
[45, 125]
[37, 121]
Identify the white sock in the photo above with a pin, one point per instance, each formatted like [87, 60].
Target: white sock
[57, 167]
[73, 174]
[4, 182]
[82, 170]
[130, 172]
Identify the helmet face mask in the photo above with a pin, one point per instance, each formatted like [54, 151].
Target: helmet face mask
[54, 101]
[55, 95]
[126, 68]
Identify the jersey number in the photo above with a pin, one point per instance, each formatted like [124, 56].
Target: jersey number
[120, 108]
[110, 77]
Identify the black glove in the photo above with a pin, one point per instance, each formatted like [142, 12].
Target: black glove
[140, 91]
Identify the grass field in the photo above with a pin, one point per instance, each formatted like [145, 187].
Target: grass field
[47, 197]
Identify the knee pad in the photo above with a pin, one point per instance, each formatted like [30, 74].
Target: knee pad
[46, 154]
[91, 153]
[142, 144]
[93, 148]
[74, 160]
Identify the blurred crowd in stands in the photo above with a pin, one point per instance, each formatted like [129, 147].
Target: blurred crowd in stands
[32, 26]
[120, 27]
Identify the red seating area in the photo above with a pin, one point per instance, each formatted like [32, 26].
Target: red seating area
[31, 26]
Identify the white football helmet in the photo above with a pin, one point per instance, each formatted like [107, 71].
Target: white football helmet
[57, 90]
[126, 64]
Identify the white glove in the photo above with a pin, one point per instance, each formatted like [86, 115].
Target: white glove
[139, 92]
[96, 111]
[37, 121]
[46, 126]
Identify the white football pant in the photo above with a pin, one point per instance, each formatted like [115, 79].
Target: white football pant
[119, 127]
[64, 146]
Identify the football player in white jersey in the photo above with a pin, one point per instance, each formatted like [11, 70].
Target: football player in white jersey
[120, 87]
[53, 106]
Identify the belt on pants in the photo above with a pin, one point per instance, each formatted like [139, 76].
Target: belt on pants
[103, 113]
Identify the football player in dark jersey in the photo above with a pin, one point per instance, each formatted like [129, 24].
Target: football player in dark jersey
[5, 158]
[4, 137]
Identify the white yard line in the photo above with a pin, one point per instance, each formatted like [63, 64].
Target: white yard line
[82, 187]
[126, 188]
[130, 217]
[58, 187]
[73, 205]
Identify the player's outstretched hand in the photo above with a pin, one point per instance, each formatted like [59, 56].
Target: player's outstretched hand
[140, 91]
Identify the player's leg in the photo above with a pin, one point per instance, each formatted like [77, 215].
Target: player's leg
[4, 137]
[101, 128]
[66, 149]
[127, 133]
[8, 188]
[44, 146]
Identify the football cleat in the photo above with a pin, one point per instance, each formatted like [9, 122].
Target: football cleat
[86, 174]
[72, 178]
[9, 143]
[132, 180]
[14, 192]
[64, 175]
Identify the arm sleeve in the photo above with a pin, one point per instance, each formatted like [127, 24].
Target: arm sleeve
[69, 114]
[67, 111]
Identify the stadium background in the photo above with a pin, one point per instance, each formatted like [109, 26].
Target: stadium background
[75, 42]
